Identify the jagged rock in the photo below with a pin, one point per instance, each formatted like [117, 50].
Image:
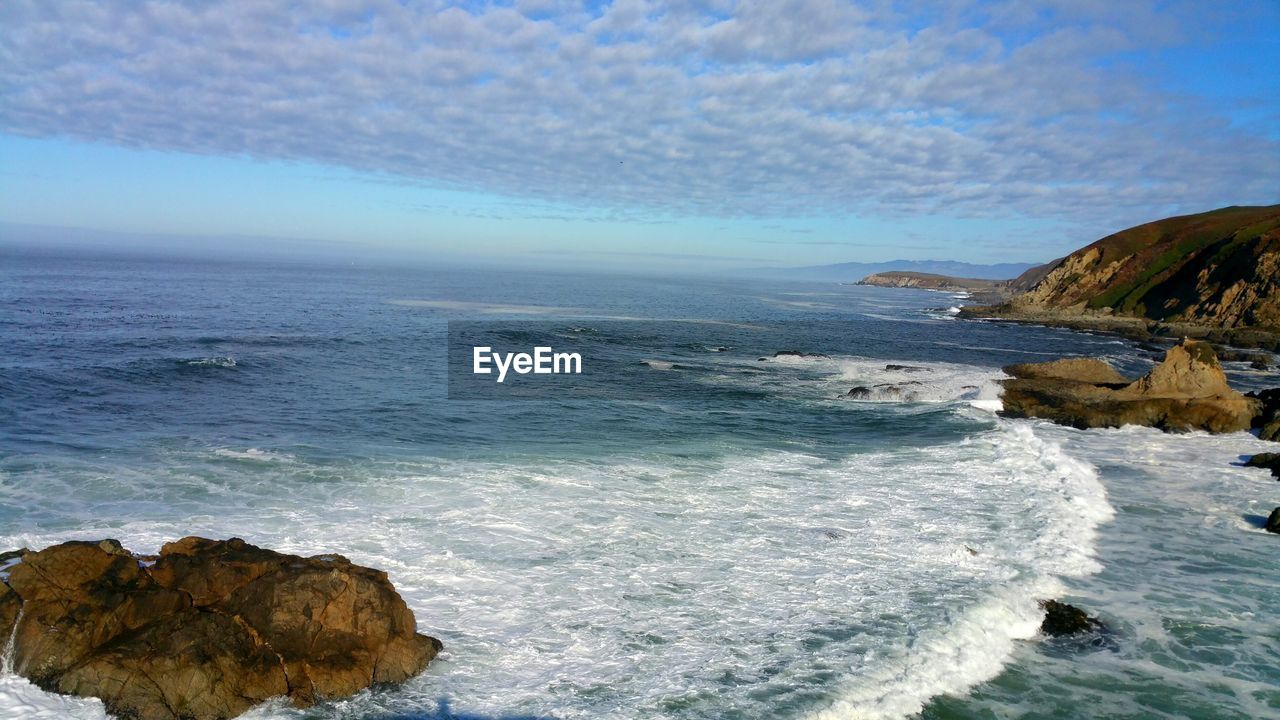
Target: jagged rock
[1061, 619]
[1270, 461]
[1273, 521]
[1267, 421]
[205, 630]
[1187, 391]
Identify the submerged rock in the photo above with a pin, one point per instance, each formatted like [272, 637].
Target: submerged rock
[1061, 620]
[208, 630]
[1273, 522]
[799, 354]
[1187, 391]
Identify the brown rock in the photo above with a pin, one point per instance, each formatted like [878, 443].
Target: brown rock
[1187, 391]
[1189, 370]
[209, 630]
[76, 597]
[191, 664]
[1094, 371]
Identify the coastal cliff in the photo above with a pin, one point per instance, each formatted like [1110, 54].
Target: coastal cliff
[1214, 275]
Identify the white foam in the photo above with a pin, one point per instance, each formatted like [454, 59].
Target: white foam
[254, 454]
[224, 362]
[583, 589]
[20, 700]
[978, 642]
[931, 382]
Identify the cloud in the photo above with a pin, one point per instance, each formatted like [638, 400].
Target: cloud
[711, 108]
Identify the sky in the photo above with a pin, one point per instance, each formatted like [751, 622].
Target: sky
[634, 133]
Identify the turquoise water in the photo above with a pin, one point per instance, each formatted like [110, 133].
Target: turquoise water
[716, 536]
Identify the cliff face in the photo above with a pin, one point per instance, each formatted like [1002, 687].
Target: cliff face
[1218, 269]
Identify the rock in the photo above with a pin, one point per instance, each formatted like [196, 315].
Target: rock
[1273, 521]
[207, 631]
[1270, 461]
[1087, 370]
[1189, 370]
[886, 391]
[1187, 391]
[904, 368]
[1267, 421]
[799, 354]
[1061, 620]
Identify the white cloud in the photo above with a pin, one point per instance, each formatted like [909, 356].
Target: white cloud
[707, 108]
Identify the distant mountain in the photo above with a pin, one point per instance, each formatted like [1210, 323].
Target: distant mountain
[856, 271]
[1218, 269]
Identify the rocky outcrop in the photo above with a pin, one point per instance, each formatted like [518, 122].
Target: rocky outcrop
[1267, 422]
[1187, 391]
[1215, 276]
[1062, 620]
[1273, 522]
[1085, 370]
[1269, 461]
[204, 630]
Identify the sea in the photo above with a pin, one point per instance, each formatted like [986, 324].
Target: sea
[701, 528]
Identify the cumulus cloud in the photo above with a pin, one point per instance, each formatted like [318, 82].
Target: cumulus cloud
[708, 107]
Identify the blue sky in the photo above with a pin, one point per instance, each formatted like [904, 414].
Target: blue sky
[635, 133]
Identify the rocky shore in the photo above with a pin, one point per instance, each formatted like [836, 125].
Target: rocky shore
[1187, 391]
[204, 630]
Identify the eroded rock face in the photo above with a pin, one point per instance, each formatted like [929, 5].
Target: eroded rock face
[205, 630]
[1187, 391]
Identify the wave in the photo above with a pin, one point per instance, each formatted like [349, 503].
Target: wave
[626, 573]
[976, 644]
[254, 454]
[931, 382]
[19, 698]
[222, 362]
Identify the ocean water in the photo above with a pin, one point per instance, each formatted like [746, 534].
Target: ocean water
[723, 534]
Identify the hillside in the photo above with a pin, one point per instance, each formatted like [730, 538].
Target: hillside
[853, 271]
[931, 281]
[1215, 272]
[1220, 268]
